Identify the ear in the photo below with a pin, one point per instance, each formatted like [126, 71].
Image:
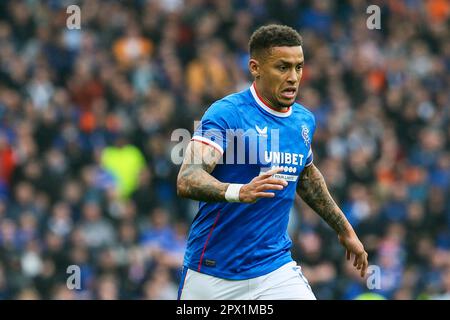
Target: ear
[253, 66]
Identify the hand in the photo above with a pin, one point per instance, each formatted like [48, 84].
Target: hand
[352, 245]
[257, 188]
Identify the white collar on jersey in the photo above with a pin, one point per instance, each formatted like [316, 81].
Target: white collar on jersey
[269, 109]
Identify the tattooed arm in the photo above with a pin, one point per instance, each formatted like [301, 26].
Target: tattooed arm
[196, 182]
[313, 190]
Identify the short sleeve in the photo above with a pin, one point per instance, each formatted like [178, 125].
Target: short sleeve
[310, 135]
[215, 124]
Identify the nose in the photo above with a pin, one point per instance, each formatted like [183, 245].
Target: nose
[293, 77]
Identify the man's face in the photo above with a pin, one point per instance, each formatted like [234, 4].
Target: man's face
[278, 74]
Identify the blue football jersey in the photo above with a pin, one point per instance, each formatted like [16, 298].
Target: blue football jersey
[240, 240]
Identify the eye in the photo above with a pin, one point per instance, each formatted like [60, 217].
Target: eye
[282, 68]
[299, 67]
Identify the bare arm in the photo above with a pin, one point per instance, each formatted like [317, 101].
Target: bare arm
[196, 182]
[313, 190]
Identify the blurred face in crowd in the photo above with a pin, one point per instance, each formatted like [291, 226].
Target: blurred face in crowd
[277, 73]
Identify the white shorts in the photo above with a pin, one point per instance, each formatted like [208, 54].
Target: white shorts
[285, 283]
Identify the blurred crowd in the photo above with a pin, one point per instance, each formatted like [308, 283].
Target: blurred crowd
[86, 118]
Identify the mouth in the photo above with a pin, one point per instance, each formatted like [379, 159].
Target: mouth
[289, 93]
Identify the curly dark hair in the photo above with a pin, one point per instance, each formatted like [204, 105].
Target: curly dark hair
[273, 35]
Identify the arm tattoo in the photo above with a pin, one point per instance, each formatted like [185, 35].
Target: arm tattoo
[313, 190]
[195, 180]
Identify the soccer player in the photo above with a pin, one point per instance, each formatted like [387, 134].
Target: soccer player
[238, 245]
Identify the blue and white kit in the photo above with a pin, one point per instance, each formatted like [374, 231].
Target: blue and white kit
[240, 241]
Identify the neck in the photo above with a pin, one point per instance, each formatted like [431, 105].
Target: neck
[267, 101]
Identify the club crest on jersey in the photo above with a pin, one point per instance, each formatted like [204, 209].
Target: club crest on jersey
[261, 132]
[305, 135]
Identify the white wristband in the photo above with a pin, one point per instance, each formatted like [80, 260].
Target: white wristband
[232, 193]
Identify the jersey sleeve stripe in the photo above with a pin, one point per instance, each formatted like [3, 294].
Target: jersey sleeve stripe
[309, 158]
[208, 142]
